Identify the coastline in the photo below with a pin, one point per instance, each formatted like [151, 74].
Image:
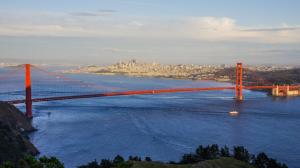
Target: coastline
[148, 76]
[14, 130]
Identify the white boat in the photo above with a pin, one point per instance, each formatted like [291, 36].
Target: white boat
[233, 113]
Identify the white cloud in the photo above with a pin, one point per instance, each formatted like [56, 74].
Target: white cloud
[200, 28]
[226, 29]
[40, 30]
[102, 12]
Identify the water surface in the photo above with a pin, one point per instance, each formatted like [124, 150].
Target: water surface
[162, 126]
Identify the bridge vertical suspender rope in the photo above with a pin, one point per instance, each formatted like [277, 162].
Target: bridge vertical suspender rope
[239, 82]
[28, 101]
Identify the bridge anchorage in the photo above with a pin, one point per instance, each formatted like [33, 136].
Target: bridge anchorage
[276, 90]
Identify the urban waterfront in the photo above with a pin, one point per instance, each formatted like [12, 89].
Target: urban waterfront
[163, 126]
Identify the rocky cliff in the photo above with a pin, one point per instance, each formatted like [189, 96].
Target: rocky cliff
[14, 142]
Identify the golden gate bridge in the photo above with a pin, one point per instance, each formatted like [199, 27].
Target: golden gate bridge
[29, 100]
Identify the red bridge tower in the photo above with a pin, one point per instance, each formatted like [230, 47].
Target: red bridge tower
[28, 100]
[239, 82]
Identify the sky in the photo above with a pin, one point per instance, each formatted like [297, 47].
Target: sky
[165, 31]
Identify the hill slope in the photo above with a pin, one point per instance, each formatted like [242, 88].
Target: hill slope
[14, 143]
[218, 163]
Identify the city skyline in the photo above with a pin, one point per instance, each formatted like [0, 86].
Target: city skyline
[103, 32]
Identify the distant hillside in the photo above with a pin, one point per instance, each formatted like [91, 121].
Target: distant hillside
[14, 144]
[289, 76]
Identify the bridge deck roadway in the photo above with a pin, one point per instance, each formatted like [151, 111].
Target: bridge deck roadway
[142, 92]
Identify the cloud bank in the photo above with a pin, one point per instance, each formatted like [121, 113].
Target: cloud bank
[106, 23]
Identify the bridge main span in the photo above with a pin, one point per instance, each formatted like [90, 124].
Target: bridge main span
[29, 100]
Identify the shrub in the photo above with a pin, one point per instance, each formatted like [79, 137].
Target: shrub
[148, 159]
[118, 159]
[134, 158]
[188, 159]
[93, 164]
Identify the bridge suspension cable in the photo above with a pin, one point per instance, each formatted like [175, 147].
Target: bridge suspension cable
[74, 81]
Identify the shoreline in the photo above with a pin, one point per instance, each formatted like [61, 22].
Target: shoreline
[146, 76]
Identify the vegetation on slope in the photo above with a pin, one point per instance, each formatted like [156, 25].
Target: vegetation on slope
[144, 164]
[216, 163]
[282, 77]
[210, 156]
[14, 143]
[31, 162]
[224, 162]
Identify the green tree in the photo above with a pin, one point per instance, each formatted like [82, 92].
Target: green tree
[240, 153]
[202, 153]
[118, 159]
[208, 152]
[51, 162]
[7, 165]
[272, 163]
[214, 152]
[23, 164]
[261, 160]
[43, 162]
[93, 164]
[105, 163]
[32, 162]
[225, 152]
